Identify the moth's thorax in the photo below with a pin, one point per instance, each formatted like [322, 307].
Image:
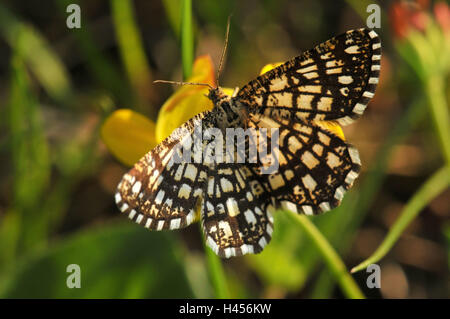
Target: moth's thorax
[228, 112]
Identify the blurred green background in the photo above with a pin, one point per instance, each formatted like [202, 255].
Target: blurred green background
[57, 178]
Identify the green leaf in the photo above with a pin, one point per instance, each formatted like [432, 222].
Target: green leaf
[132, 51]
[116, 261]
[436, 184]
[187, 38]
[446, 231]
[173, 12]
[37, 54]
[104, 70]
[332, 259]
[286, 247]
[29, 156]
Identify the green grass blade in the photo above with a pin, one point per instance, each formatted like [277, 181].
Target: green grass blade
[435, 91]
[214, 264]
[217, 274]
[104, 71]
[173, 13]
[187, 38]
[29, 155]
[356, 205]
[37, 54]
[429, 190]
[132, 51]
[332, 259]
[115, 263]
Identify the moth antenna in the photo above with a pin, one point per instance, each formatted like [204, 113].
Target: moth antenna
[224, 50]
[183, 83]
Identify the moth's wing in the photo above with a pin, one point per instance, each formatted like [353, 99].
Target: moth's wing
[163, 190]
[237, 210]
[333, 81]
[315, 167]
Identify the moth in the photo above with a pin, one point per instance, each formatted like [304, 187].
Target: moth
[332, 82]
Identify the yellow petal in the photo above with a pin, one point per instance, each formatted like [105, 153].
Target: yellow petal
[269, 67]
[332, 127]
[188, 100]
[176, 112]
[128, 135]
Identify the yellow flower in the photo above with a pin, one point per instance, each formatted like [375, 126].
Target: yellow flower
[130, 135]
[189, 100]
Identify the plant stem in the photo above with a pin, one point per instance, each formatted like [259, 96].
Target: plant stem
[187, 38]
[132, 51]
[332, 259]
[214, 264]
[217, 274]
[356, 207]
[429, 190]
[439, 109]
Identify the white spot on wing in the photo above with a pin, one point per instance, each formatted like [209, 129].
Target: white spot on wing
[262, 242]
[307, 210]
[354, 49]
[136, 188]
[325, 206]
[159, 197]
[359, 108]
[351, 176]
[373, 34]
[160, 225]
[212, 244]
[345, 79]
[368, 94]
[289, 206]
[232, 207]
[124, 207]
[309, 182]
[184, 191]
[354, 155]
[132, 213]
[175, 223]
[339, 194]
[250, 217]
[190, 218]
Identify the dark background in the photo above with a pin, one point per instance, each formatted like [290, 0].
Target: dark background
[57, 178]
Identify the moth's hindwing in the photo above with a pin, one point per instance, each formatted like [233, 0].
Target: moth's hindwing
[316, 167]
[237, 210]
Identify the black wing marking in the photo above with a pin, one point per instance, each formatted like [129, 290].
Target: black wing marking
[316, 167]
[333, 81]
[237, 210]
[160, 192]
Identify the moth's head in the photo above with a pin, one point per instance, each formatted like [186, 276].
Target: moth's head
[216, 95]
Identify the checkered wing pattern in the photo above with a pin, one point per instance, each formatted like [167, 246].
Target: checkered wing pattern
[237, 216]
[333, 81]
[161, 193]
[316, 167]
